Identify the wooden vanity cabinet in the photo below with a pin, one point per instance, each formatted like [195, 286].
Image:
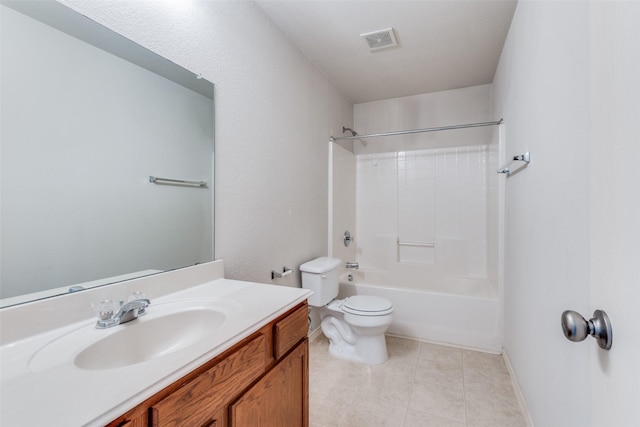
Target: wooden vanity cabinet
[261, 381]
[279, 398]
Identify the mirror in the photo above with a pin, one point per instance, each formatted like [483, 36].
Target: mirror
[87, 117]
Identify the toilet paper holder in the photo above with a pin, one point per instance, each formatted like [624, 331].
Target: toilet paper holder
[285, 272]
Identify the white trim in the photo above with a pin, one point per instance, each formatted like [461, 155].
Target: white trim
[517, 390]
[443, 343]
[313, 335]
[330, 204]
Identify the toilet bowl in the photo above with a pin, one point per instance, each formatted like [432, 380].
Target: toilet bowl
[355, 326]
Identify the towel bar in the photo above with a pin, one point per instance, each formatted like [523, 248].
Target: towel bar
[525, 157]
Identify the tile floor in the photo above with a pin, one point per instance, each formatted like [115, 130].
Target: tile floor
[420, 385]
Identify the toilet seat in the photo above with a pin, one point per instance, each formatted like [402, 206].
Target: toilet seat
[367, 305]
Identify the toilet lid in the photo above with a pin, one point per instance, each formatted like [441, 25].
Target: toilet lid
[367, 305]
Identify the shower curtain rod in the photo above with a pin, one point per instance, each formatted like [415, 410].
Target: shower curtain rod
[404, 132]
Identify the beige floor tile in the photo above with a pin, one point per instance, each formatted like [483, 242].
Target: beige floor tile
[318, 342]
[319, 356]
[372, 414]
[403, 355]
[420, 385]
[440, 353]
[396, 345]
[400, 365]
[388, 388]
[486, 362]
[484, 410]
[438, 399]
[489, 384]
[339, 377]
[327, 410]
[441, 373]
[486, 377]
[489, 394]
[420, 419]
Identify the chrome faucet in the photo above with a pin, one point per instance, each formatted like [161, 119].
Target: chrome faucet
[127, 313]
[353, 265]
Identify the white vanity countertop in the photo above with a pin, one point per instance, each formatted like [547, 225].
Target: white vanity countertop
[65, 395]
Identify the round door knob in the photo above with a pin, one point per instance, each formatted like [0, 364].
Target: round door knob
[576, 328]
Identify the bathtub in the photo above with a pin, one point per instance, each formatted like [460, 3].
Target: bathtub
[459, 311]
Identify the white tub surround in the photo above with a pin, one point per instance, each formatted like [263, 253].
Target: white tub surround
[59, 393]
[426, 216]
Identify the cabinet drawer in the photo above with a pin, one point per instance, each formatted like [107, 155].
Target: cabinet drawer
[199, 401]
[289, 331]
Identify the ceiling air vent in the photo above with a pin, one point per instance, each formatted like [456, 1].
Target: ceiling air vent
[380, 39]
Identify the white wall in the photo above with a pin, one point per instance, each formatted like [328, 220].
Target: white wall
[615, 208]
[274, 114]
[343, 195]
[541, 91]
[449, 107]
[82, 130]
[427, 188]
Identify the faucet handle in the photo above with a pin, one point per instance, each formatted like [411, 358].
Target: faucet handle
[105, 309]
[137, 295]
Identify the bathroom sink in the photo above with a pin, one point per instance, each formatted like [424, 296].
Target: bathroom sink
[165, 329]
[143, 341]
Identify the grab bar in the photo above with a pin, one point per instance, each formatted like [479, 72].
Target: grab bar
[424, 245]
[167, 181]
[525, 157]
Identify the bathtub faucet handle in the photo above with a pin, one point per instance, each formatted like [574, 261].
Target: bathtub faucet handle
[353, 265]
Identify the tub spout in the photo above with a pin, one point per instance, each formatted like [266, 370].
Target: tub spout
[353, 265]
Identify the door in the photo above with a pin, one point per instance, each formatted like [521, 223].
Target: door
[615, 208]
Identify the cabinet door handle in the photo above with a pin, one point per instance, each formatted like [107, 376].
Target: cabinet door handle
[210, 423]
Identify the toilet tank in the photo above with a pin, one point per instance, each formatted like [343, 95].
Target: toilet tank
[321, 276]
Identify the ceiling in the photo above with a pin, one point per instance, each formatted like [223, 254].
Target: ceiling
[442, 44]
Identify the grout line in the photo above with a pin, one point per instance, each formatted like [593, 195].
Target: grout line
[435, 384]
[355, 396]
[346, 411]
[413, 384]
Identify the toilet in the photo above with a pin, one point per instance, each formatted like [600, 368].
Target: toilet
[355, 326]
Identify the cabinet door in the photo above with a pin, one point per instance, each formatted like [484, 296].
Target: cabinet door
[280, 398]
[200, 401]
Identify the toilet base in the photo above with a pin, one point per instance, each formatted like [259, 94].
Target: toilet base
[345, 344]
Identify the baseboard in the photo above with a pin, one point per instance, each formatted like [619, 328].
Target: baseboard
[315, 334]
[443, 343]
[517, 390]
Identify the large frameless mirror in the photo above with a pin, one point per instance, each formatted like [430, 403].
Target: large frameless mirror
[87, 116]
